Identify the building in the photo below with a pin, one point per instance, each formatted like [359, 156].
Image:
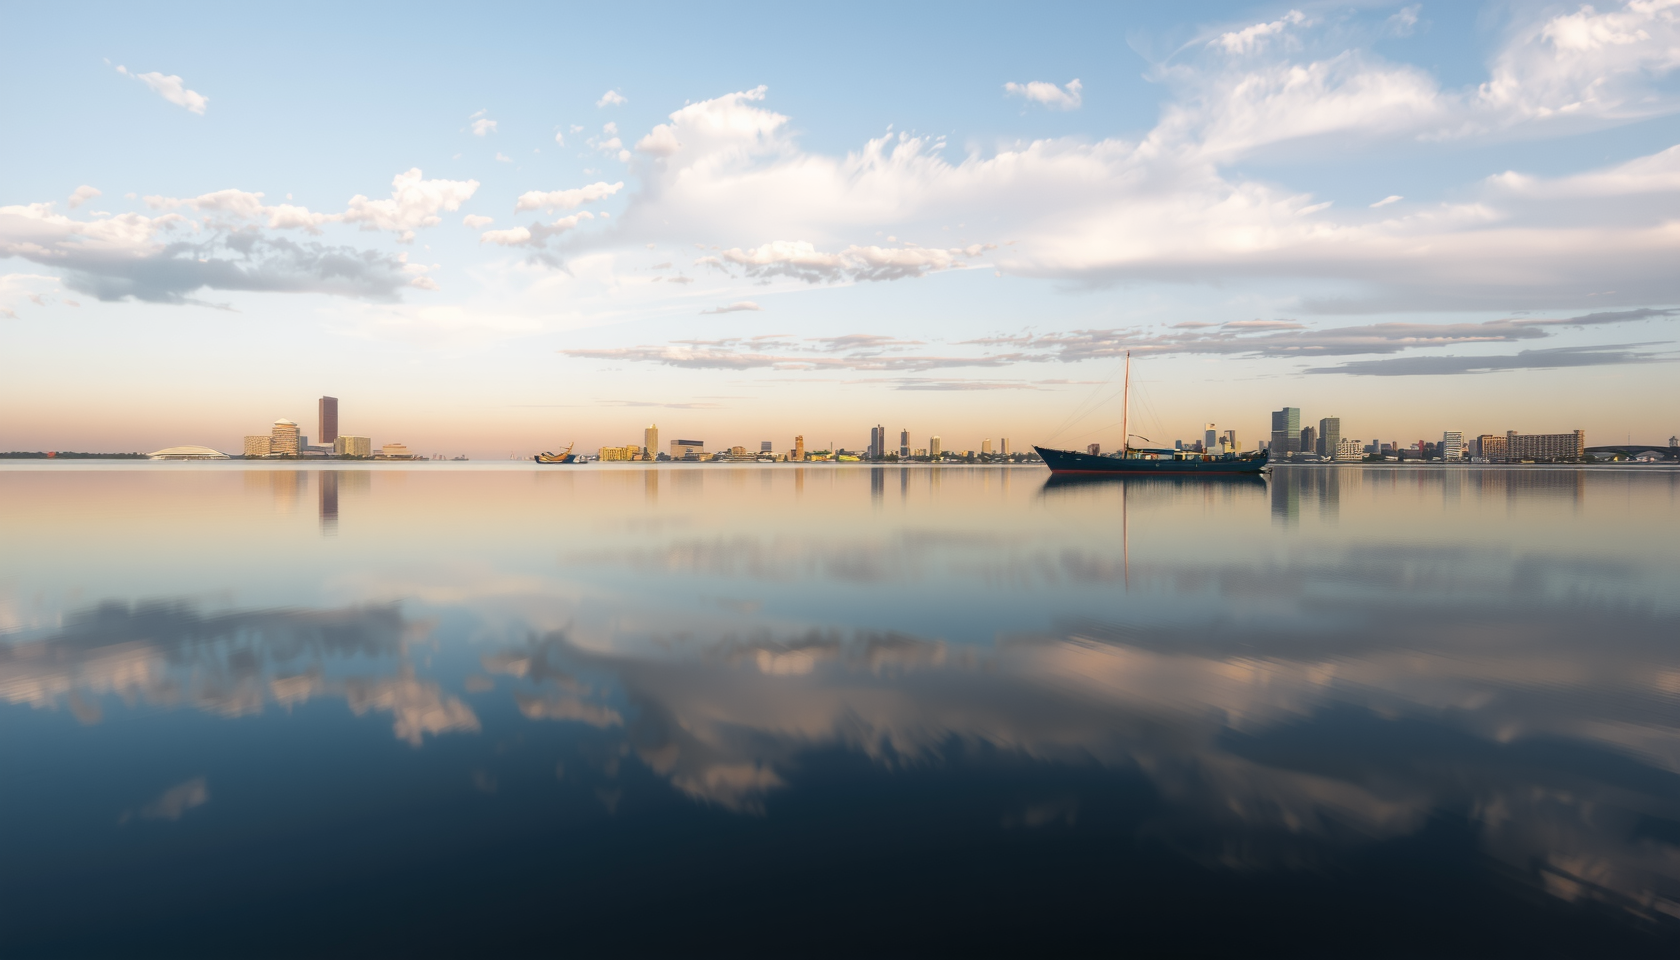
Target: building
[1330, 438]
[650, 441]
[1309, 440]
[395, 451]
[935, 449]
[904, 442]
[258, 446]
[283, 439]
[1545, 446]
[877, 442]
[327, 410]
[766, 446]
[1228, 441]
[1348, 449]
[1286, 431]
[1003, 447]
[353, 446]
[688, 449]
[188, 453]
[1210, 438]
[627, 452]
[1490, 447]
[986, 446]
[1095, 449]
[799, 448]
[1452, 445]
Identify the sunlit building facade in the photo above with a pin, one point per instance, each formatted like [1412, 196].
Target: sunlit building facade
[283, 439]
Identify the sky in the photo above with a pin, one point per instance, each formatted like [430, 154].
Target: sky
[494, 229]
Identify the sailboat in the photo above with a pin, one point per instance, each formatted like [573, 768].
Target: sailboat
[1146, 461]
[562, 457]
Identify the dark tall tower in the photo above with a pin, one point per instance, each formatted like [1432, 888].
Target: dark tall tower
[329, 420]
[904, 443]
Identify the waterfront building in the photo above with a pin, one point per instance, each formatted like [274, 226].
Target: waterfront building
[1003, 447]
[1228, 439]
[650, 441]
[396, 451]
[1286, 431]
[1490, 447]
[1330, 438]
[353, 446]
[935, 448]
[877, 442]
[1095, 449]
[921, 451]
[737, 451]
[986, 445]
[1210, 438]
[1309, 440]
[688, 449]
[766, 446]
[258, 446]
[1347, 449]
[283, 438]
[1545, 446]
[799, 448]
[904, 442]
[1452, 445]
[627, 452]
[327, 412]
[187, 453]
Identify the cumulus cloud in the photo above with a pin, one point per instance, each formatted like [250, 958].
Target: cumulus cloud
[83, 194]
[475, 221]
[735, 307]
[414, 203]
[483, 126]
[537, 234]
[566, 199]
[171, 88]
[1048, 94]
[611, 98]
[1252, 38]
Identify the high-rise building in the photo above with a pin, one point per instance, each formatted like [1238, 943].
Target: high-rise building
[877, 442]
[799, 448]
[258, 446]
[1003, 447]
[766, 446]
[650, 441]
[688, 449]
[1452, 445]
[1330, 438]
[934, 447]
[904, 442]
[1228, 440]
[283, 438]
[353, 446]
[1490, 447]
[1286, 431]
[327, 408]
[1545, 446]
[1210, 439]
[1309, 440]
[986, 445]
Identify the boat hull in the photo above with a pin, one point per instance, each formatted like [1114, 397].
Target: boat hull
[1072, 463]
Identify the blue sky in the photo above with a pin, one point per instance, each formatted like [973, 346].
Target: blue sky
[494, 230]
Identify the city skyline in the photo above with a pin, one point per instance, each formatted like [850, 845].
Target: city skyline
[1420, 216]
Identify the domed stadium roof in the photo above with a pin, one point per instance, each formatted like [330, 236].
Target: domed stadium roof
[283, 422]
[188, 453]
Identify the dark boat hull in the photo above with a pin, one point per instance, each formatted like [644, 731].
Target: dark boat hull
[1070, 463]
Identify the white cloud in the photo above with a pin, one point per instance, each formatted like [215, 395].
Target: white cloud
[503, 158]
[171, 88]
[611, 98]
[537, 234]
[83, 194]
[1250, 39]
[566, 199]
[1052, 96]
[1403, 23]
[560, 138]
[483, 126]
[475, 221]
[1385, 201]
[736, 307]
[414, 203]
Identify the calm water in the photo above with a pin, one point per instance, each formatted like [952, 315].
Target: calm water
[482, 708]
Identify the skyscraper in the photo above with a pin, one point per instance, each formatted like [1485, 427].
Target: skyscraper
[904, 442]
[934, 449]
[1003, 446]
[766, 446]
[877, 442]
[650, 441]
[986, 445]
[1229, 439]
[1452, 445]
[1210, 440]
[1286, 431]
[327, 408]
[799, 448]
[1329, 437]
[1309, 440]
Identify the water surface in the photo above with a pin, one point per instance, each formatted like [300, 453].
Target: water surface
[485, 708]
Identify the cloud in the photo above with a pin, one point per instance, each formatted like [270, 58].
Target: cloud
[83, 194]
[177, 800]
[611, 98]
[171, 88]
[862, 352]
[475, 221]
[1385, 201]
[1548, 359]
[503, 158]
[483, 126]
[566, 199]
[800, 260]
[735, 307]
[536, 235]
[414, 203]
[1048, 94]
[1251, 39]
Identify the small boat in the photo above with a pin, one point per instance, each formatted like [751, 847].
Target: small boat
[551, 457]
[1147, 461]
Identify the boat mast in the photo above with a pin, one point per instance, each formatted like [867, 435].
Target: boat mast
[1126, 410]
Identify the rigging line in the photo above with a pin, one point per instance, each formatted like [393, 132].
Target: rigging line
[1080, 418]
[1106, 381]
[1155, 418]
